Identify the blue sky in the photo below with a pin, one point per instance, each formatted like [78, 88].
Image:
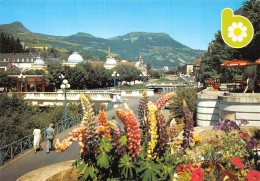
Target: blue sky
[191, 22]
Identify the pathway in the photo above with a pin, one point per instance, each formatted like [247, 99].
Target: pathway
[29, 161]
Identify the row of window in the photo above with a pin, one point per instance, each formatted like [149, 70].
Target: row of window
[18, 60]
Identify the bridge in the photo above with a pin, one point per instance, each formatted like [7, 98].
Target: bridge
[166, 87]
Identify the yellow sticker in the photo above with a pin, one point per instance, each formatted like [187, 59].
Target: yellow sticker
[237, 31]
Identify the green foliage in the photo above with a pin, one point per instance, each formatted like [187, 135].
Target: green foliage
[52, 79]
[210, 154]
[18, 118]
[150, 171]
[156, 74]
[177, 102]
[127, 73]
[9, 45]
[123, 140]
[103, 159]
[127, 167]
[219, 52]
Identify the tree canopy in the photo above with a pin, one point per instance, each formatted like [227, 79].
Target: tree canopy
[218, 52]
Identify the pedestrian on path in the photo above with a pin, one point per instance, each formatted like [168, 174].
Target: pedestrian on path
[50, 137]
[114, 120]
[37, 138]
[250, 84]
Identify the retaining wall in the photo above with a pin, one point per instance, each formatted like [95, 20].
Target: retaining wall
[214, 106]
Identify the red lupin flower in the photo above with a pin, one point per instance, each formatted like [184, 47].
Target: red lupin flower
[197, 175]
[253, 175]
[238, 162]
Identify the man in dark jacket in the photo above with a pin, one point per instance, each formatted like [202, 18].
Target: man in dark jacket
[50, 137]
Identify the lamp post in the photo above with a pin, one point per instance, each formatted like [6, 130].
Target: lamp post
[143, 75]
[21, 76]
[114, 75]
[61, 76]
[65, 86]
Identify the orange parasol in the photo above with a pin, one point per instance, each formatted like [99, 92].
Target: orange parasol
[257, 61]
[237, 64]
[225, 63]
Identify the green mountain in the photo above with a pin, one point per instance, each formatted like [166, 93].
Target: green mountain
[15, 27]
[157, 48]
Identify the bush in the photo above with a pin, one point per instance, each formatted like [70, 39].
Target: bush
[177, 102]
[18, 118]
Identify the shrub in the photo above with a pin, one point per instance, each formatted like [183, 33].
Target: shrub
[176, 103]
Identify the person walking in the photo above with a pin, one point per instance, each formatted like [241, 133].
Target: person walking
[50, 137]
[114, 120]
[250, 84]
[37, 138]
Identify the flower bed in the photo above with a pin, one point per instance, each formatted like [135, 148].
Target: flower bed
[152, 152]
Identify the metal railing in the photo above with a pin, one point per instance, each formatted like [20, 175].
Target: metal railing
[9, 152]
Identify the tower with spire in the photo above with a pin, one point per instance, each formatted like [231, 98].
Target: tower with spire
[141, 60]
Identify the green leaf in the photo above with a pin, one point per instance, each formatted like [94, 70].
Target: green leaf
[91, 172]
[105, 145]
[123, 140]
[103, 160]
[81, 167]
[150, 171]
[127, 166]
[86, 174]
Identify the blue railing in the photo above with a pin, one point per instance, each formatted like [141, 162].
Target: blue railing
[9, 152]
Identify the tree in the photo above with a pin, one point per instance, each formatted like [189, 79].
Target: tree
[127, 73]
[148, 67]
[218, 52]
[155, 73]
[10, 45]
[55, 69]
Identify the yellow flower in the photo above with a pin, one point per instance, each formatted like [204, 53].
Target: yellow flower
[196, 138]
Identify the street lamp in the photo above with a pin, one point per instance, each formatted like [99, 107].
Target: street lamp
[65, 86]
[114, 75]
[61, 77]
[143, 75]
[21, 76]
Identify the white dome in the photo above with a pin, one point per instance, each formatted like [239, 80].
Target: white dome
[39, 61]
[75, 58]
[111, 61]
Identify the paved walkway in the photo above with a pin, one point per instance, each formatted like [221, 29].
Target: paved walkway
[29, 161]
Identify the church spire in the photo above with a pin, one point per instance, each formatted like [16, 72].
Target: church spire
[140, 55]
[141, 60]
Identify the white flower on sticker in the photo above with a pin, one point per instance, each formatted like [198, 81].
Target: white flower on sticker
[237, 31]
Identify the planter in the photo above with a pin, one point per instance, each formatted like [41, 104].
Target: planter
[210, 82]
[216, 86]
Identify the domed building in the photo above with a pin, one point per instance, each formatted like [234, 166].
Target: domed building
[73, 59]
[39, 62]
[110, 63]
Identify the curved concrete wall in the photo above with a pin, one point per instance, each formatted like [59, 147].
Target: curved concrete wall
[207, 108]
[242, 106]
[215, 106]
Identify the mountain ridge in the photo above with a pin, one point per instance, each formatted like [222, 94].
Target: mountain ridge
[160, 49]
